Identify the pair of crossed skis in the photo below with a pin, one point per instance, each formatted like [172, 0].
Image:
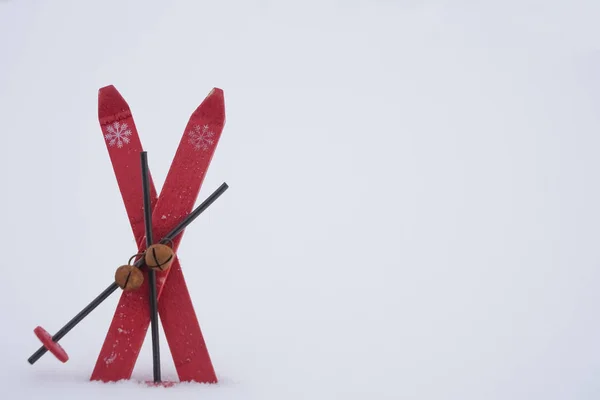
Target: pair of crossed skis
[132, 317]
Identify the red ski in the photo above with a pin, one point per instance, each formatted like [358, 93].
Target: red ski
[182, 185]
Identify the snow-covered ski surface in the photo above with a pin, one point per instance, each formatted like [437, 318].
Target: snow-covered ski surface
[414, 202]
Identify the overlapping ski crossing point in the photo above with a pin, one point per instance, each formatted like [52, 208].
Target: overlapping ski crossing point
[183, 182]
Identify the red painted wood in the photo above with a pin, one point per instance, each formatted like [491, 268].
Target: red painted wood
[51, 345]
[114, 115]
[177, 314]
[182, 330]
[130, 322]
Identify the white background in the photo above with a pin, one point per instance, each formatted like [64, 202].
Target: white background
[414, 198]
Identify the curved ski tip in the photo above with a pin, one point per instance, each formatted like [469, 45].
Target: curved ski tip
[213, 105]
[107, 87]
[216, 92]
[110, 102]
[108, 91]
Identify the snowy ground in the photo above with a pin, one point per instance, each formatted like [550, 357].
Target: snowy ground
[414, 210]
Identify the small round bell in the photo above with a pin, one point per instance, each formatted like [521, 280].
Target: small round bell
[159, 257]
[129, 277]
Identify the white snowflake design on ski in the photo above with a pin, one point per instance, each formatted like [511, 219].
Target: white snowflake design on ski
[117, 133]
[201, 137]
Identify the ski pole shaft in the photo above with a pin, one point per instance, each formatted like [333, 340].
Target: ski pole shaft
[151, 272]
[194, 214]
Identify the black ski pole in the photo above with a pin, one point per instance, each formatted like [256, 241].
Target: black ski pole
[151, 272]
[113, 286]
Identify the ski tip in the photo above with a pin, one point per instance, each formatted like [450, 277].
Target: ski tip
[213, 107]
[216, 92]
[107, 87]
[111, 104]
[215, 96]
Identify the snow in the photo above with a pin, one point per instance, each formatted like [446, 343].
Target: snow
[414, 194]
